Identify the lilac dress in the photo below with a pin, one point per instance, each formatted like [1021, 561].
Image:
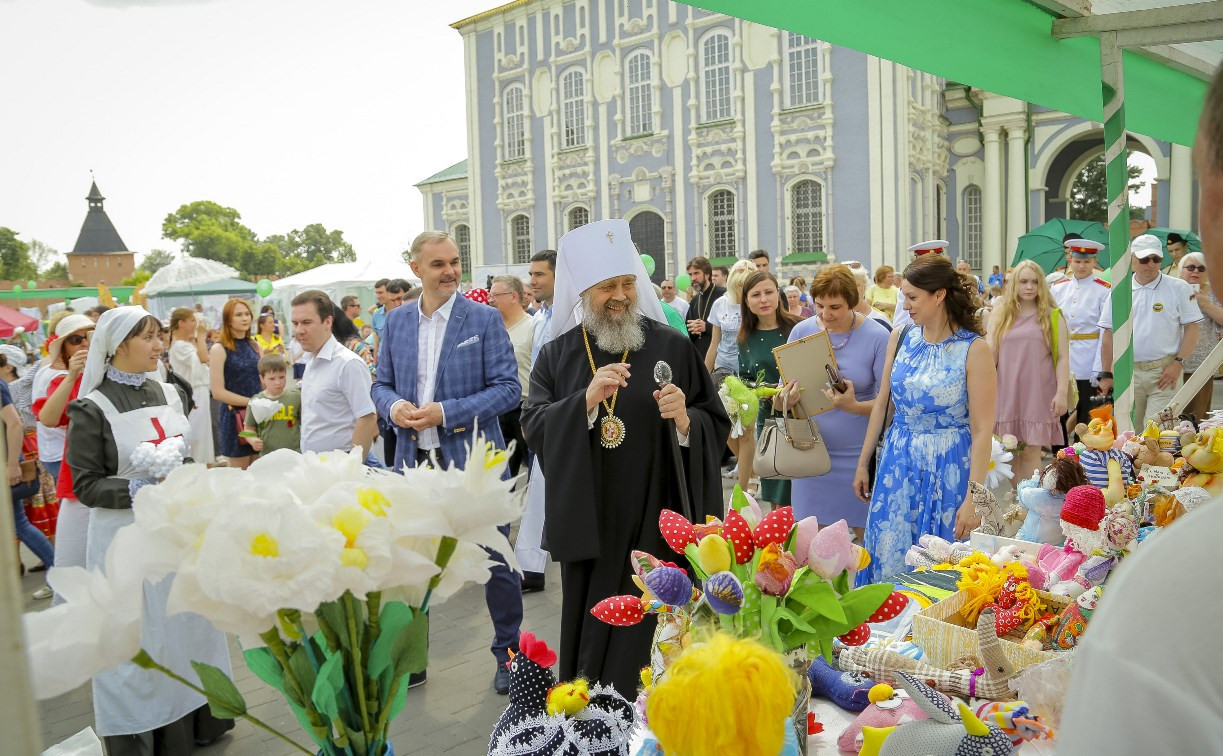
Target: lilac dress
[1026, 385]
[831, 497]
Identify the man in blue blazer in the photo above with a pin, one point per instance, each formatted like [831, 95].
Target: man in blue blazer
[446, 368]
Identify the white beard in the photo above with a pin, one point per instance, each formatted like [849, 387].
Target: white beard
[614, 335]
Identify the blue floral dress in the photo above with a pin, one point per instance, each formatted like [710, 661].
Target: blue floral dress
[923, 472]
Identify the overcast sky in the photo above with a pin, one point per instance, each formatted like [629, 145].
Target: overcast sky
[291, 111]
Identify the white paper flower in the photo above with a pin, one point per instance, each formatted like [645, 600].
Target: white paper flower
[173, 515]
[261, 408]
[1009, 442]
[999, 464]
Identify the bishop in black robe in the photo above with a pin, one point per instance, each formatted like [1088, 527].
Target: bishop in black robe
[601, 504]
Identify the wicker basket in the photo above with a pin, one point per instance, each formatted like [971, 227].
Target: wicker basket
[942, 633]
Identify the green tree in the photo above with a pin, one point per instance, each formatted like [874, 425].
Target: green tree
[209, 230]
[137, 278]
[1089, 193]
[15, 264]
[310, 247]
[155, 260]
[43, 255]
[57, 272]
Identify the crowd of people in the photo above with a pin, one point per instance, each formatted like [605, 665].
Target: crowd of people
[564, 365]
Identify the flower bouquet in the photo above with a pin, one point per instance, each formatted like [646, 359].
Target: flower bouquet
[323, 568]
[742, 402]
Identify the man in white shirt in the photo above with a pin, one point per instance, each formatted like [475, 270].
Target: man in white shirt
[529, 546]
[506, 294]
[337, 412]
[1082, 297]
[671, 297]
[1166, 320]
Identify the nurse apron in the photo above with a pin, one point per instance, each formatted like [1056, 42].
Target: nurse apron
[128, 700]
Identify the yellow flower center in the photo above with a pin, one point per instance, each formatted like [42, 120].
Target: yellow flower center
[352, 557]
[492, 457]
[265, 545]
[350, 520]
[373, 501]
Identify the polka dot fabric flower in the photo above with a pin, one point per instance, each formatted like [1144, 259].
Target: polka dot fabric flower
[676, 530]
[621, 611]
[774, 528]
[895, 604]
[737, 531]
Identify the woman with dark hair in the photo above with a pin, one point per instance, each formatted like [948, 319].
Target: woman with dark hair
[137, 711]
[233, 367]
[940, 375]
[764, 325]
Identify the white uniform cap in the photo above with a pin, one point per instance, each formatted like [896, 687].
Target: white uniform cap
[593, 253]
[934, 245]
[1083, 247]
[1147, 245]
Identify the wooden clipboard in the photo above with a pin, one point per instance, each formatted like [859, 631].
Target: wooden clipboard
[803, 361]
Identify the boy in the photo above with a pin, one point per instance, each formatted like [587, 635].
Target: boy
[283, 429]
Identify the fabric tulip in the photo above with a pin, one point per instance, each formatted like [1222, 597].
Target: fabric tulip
[714, 554]
[832, 551]
[775, 571]
[724, 593]
[805, 532]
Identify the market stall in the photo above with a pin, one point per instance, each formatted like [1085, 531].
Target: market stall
[341, 279]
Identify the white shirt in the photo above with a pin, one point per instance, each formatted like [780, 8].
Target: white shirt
[50, 440]
[1083, 302]
[543, 332]
[335, 394]
[429, 337]
[1149, 651]
[1161, 310]
[185, 361]
[680, 304]
[902, 317]
[522, 336]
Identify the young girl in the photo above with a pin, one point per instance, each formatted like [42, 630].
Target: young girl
[1031, 388]
[267, 338]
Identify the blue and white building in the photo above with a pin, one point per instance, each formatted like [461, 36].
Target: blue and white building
[716, 136]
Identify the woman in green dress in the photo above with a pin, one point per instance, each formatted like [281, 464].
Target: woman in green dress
[766, 325]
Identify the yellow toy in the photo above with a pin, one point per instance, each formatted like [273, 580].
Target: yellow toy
[569, 698]
[1114, 492]
[725, 696]
[1205, 455]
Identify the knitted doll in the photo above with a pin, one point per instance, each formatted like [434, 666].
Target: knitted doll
[1098, 437]
[1081, 514]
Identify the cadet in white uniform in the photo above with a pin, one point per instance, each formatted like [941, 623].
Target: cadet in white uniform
[1082, 297]
[932, 247]
[1166, 322]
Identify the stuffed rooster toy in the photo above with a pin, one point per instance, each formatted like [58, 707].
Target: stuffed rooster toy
[571, 719]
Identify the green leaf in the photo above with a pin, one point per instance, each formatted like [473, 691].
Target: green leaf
[841, 583]
[863, 602]
[394, 617]
[694, 559]
[796, 622]
[750, 613]
[825, 645]
[819, 596]
[738, 500]
[328, 687]
[411, 650]
[399, 699]
[332, 613]
[264, 665]
[224, 700]
[303, 670]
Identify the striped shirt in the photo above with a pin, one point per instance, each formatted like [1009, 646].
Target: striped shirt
[1095, 463]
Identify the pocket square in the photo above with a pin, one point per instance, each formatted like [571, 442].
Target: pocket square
[468, 342]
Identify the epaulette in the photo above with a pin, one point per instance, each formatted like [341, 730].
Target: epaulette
[1103, 283]
[1061, 281]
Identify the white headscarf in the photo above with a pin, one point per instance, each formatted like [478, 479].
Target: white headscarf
[113, 327]
[593, 253]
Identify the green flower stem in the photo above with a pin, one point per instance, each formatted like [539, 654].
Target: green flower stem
[444, 551]
[373, 611]
[145, 661]
[276, 645]
[380, 731]
[350, 606]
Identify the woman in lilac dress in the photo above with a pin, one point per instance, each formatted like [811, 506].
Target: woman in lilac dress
[860, 346]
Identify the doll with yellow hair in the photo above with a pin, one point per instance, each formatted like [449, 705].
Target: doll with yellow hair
[1098, 438]
[725, 696]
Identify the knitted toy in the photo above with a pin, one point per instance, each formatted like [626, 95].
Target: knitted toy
[950, 730]
[742, 404]
[888, 708]
[1098, 438]
[1081, 514]
[160, 459]
[849, 690]
[1177, 505]
[1074, 618]
[1043, 499]
[1205, 456]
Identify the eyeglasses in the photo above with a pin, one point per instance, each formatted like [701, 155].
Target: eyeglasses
[502, 294]
[1149, 259]
[1196, 268]
[76, 339]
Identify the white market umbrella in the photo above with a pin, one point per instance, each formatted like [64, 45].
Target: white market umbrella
[185, 272]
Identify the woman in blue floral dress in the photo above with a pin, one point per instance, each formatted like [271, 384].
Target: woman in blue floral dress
[944, 385]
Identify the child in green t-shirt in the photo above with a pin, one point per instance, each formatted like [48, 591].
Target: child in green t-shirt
[283, 429]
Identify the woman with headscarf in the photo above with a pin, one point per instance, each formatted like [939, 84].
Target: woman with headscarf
[137, 711]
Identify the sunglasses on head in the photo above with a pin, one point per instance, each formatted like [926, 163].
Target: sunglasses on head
[1196, 268]
[1149, 259]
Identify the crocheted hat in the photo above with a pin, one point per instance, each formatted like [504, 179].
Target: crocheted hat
[1084, 507]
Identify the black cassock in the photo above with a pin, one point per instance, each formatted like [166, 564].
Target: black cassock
[601, 504]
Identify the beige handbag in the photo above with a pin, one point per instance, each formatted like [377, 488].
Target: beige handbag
[790, 448]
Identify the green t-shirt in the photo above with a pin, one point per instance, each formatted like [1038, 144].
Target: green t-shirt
[282, 430]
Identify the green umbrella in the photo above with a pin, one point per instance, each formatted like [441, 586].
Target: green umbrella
[1043, 244]
[1191, 241]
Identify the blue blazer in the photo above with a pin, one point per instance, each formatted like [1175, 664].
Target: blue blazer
[477, 379]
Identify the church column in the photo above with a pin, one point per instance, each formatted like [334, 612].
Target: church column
[991, 200]
[1016, 190]
[1180, 187]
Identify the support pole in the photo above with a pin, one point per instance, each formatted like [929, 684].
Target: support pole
[1112, 81]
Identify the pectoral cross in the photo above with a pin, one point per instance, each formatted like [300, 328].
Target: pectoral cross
[610, 237]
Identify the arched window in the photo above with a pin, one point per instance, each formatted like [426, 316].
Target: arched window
[722, 224]
[578, 216]
[640, 93]
[715, 77]
[462, 240]
[573, 108]
[972, 226]
[807, 216]
[513, 119]
[520, 239]
[803, 70]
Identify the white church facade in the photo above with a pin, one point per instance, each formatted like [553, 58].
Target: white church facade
[715, 136]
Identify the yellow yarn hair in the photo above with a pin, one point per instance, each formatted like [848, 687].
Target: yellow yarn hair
[725, 696]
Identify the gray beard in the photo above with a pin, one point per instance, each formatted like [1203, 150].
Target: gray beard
[611, 335]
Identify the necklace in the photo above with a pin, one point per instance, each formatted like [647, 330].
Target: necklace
[848, 335]
[611, 428]
[706, 301]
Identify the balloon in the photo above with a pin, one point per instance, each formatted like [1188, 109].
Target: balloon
[683, 282]
[17, 288]
[32, 284]
[649, 264]
[264, 288]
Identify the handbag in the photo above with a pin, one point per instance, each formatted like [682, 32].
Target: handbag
[790, 447]
[1072, 387]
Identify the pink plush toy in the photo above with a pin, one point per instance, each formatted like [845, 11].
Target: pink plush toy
[888, 708]
[1054, 565]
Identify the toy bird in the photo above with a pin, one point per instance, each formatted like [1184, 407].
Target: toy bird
[569, 698]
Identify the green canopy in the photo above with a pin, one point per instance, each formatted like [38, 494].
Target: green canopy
[229, 286]
[1043, 244]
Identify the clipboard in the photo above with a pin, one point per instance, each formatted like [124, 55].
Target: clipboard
[803, 361]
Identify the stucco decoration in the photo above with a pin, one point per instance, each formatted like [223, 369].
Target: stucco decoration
[541, 92]
[675, 59]
[605, 80]
[966, 146]
[759, 44]
[654, 145]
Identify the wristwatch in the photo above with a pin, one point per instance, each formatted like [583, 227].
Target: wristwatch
[1179, 359]
[1104, 374]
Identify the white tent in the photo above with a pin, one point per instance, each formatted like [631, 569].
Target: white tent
[340, 279]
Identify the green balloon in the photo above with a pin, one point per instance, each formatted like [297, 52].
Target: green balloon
[17, 289]
[264, 288]
[683, 282]
[649, 264]
[32, 284]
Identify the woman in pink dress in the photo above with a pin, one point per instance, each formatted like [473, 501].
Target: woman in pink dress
[1031, 388]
